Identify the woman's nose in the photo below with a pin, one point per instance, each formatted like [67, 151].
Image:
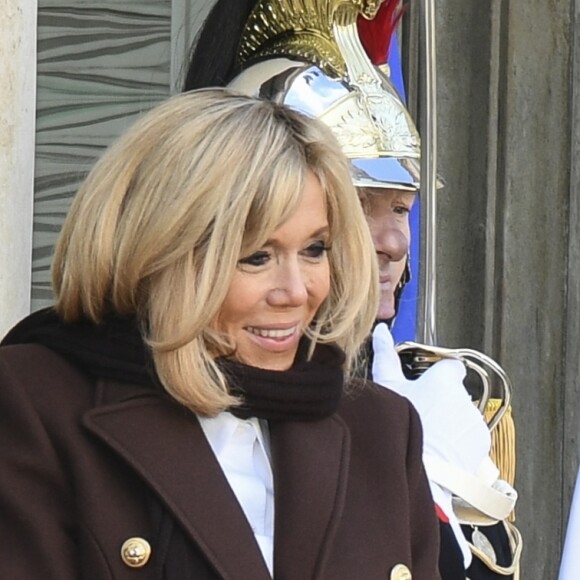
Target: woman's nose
[290, 287]
[389, 240]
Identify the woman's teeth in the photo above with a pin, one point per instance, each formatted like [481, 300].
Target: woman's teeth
[278, 333]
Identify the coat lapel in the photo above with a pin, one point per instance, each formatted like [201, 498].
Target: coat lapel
[167, 447]
[310, 465]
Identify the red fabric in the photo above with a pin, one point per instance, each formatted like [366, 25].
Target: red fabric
[441, 514]
[376, 34]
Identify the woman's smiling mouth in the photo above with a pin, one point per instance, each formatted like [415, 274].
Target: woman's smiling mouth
[274, 333]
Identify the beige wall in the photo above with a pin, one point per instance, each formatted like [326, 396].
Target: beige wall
[17, 111]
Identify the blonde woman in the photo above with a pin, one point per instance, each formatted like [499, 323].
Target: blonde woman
[186, 408]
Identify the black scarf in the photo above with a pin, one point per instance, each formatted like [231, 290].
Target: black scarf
[115, 350]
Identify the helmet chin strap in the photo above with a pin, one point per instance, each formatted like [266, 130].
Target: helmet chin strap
[405, 279]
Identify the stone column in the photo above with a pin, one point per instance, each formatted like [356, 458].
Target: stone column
[17, 126]
[509, 241]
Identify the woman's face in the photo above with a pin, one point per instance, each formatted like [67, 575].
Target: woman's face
[277, 290]
[387, 212]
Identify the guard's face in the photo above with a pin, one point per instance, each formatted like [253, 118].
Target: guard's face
[277, 290]
[387, 212]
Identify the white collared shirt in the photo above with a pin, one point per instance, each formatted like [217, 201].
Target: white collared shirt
[242, 450]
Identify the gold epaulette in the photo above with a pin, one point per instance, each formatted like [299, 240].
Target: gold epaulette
[503, 443]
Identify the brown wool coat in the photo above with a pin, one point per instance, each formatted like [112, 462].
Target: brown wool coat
[80, 462]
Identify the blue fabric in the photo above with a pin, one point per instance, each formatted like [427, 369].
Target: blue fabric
[405, 324]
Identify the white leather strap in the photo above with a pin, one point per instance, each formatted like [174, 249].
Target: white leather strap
[495, 500]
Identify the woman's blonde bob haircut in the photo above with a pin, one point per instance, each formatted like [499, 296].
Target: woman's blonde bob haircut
[159, 225]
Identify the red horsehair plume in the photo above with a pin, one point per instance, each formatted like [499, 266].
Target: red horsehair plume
[376, 34]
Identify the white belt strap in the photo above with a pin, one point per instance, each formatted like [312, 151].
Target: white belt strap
[493, 498]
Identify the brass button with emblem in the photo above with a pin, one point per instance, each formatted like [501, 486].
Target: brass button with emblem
[135, 552]
[401, 572]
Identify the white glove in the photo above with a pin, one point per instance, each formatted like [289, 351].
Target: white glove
[454, 431]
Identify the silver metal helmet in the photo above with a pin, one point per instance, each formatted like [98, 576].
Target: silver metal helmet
[308, 55]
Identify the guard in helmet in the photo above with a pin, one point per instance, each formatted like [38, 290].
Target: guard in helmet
[327, 58]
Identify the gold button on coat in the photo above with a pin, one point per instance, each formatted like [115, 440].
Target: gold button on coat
[135, 552]
[401, 572]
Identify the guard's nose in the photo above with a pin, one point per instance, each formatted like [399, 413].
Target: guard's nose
[389, 239]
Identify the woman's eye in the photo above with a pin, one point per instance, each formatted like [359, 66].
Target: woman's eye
[256, 259]
[316, 250]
